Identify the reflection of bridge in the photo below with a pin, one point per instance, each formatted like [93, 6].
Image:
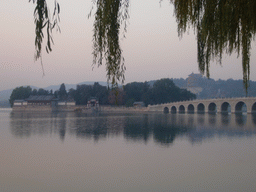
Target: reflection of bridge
[233, 105]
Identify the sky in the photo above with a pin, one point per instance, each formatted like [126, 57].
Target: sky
[151, 48]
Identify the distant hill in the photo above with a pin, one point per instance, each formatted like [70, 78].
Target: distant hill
[209, 88]
[5, 95]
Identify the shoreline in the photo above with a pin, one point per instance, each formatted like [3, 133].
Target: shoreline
[80, 109]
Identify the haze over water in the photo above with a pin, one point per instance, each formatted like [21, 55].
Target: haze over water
[127, 152]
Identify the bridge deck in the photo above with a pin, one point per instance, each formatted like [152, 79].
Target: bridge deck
[232, 105]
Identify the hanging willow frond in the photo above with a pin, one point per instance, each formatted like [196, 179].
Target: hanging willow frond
[222, 26]
[43, 20]
[109, 16]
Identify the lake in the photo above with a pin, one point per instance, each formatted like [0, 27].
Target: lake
[138, 152]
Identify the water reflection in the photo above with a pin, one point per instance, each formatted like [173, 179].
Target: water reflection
[137, 129]
[241, 119]
[162, 128]
[91, 127]
[225, 119]
[63, 126]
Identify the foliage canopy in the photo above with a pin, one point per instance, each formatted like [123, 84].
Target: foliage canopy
[162, 91]
[20, 93]
[222, 26]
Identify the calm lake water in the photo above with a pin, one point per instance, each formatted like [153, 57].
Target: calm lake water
[67, 152]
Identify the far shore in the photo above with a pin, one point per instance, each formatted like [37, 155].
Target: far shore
[81, 109]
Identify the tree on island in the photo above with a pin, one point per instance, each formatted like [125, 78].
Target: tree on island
[136, 91]
[83, 93]
[62, 93]
[163, 91]
[116, 97]
[20, 93]
[42, 91]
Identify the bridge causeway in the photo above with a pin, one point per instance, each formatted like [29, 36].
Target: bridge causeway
[218, 105]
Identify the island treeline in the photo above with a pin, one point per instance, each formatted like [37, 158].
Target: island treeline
[149, 92]
[162, 91]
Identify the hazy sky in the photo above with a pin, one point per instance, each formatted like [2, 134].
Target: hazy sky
[152, 48]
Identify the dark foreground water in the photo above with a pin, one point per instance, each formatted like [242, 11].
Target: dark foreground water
[67, 152]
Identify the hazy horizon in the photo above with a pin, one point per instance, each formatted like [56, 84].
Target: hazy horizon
[104, 82]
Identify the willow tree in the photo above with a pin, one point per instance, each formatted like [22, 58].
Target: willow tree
[222, 26]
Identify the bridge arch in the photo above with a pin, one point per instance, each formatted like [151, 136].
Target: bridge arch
[166, 110]
[240, 106]
[212, 108]
[225, 107]
[181, 109]
[191, 108]
[173, 109]
[200, 108]
[254, 108]
[218, 105]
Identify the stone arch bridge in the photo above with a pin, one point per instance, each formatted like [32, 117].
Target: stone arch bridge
[219, 105]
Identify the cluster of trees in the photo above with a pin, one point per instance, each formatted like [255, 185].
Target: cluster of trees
[20, 93]
[24, 92]
[162, 91]
[83, 93]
